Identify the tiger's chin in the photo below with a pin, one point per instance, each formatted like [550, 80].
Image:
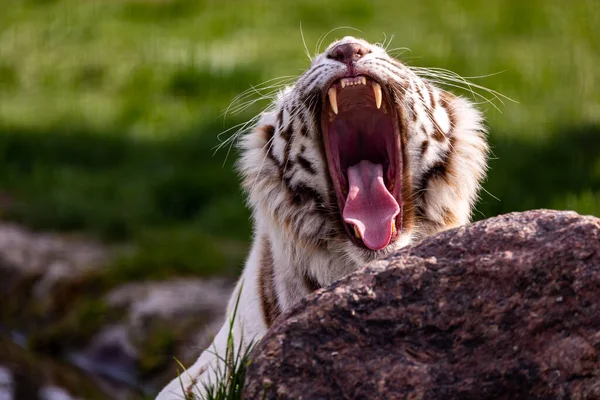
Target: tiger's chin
[361, 135]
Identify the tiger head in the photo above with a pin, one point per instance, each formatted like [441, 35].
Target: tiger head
[361, 155]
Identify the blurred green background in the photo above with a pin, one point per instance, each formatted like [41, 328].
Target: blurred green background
[110, 110]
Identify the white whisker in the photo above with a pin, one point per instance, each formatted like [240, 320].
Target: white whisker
[304, 43]
[445, 77]
[323, 37]
[494, 197]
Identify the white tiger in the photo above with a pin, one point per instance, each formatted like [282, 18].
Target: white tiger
[357, 159]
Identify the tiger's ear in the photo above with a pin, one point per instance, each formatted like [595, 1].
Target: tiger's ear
[453, 182]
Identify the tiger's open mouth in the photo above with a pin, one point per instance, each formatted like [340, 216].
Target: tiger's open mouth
[362, 144]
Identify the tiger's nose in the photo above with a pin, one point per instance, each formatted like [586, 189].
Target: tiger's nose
[348, 53]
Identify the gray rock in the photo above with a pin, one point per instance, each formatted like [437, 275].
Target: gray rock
[7, 384]
[170, 300]
[110, 353]
[507, 308]
[33, 252]
[45, 260]
[54, 393]
[185, 312]
[132, 332]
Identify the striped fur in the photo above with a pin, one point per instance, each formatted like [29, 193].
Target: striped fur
[300, 243]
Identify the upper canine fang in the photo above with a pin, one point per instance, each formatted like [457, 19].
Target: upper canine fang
[332, 92]
[377, 93]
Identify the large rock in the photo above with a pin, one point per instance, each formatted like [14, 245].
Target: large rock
[507, 308]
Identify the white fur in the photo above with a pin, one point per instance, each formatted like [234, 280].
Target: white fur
[292, 230]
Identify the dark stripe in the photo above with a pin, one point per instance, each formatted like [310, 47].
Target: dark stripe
[288, 144]
[312, 76]
[271, 155]
[421, 95]
[308, 193]
[314, 105]
[280, 119]
[437, 132]
[310, 283]
[302, 193]
[410, 106]
[286, 133]
[445, 99]
[312, 101]
[289, 168]
[439, 169]
[449, 217]
[415, 114]
[269, 131]
[304, 163]
[266, 285]
[424, 147]
[293, 111]
[396, 91]
[431, 98]
[303, 130]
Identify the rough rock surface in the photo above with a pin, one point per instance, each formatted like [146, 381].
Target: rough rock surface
[507, 308]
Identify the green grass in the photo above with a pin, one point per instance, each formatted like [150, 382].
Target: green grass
[229, 371]
[109, 110]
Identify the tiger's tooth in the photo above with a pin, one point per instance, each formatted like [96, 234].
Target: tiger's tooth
[377, 93]
[356, 232]
[333, 99]
[363, 80]
[393, 227]
[343, 82]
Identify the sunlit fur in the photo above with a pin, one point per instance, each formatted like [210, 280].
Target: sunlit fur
[299, 240]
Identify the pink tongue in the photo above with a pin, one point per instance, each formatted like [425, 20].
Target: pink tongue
[369, 205]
